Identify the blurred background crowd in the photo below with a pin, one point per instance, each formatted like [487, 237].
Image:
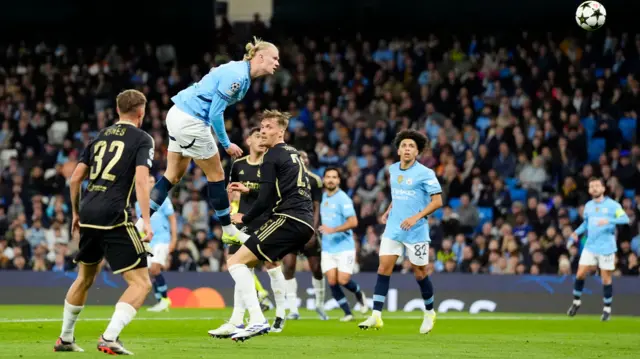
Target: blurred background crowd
[515, 127]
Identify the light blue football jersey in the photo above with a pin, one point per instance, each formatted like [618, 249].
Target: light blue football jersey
[334, 212]
[602, 239]
[208, 98]
[411, 192]
[160, 223]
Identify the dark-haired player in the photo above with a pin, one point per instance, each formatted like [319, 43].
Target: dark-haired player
[284, 186]
[118, 159]
[415, 194]
[601, 215]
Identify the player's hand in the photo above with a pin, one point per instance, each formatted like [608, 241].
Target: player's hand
[148, 232]
[408, 223]
[603, 222]
[234, 151]
[237, 218]
[384, 217]
[75, 225]
[238, 187]
[326, 230]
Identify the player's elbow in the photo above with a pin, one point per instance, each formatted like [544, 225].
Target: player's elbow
[352, 222]
[437, 200]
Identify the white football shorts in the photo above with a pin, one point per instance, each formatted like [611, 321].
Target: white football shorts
[418, 253]
[605, 262]
[345, 261]
[160, 253]
[190, 136]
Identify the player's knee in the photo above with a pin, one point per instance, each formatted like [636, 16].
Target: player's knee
[385, 269]
[420, 273]
[289, 271]
[332, 281]
[343, 280]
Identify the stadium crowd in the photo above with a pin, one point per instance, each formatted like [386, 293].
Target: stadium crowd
[515, 131]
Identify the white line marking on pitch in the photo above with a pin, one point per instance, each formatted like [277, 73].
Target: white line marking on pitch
[441, 317]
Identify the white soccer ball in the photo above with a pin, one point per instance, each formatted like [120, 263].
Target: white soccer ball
[591, 15]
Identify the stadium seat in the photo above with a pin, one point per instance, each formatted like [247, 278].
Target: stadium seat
[628, 128]
[58, 132]
[6, 155]
[589, 125]
[438, 214]
[629, 193]
[518, 194]
[482, 123]
[596, 147]
[454, 202]
[511, 182]
[486, 214]
[573, 214]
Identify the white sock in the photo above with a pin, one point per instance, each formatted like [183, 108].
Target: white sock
[318, 289]
[122, 316]
[230, 229]
[430, 311]
[377, 314]
[247, 287]
[279, 288]
[292, 295]
[607, 309]
[237, 316]
[577, 302]
[69, 317]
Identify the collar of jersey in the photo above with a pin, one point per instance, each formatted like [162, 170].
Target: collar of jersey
[125, 123]
[248, 70]
[406, 169]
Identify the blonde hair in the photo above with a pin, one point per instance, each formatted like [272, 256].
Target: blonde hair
[255, 47]
[281, 117]
[129, 100]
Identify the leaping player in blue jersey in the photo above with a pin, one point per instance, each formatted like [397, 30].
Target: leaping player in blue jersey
[198, 108]
[415, 194]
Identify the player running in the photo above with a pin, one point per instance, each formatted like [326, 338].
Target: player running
[415, 194]
[311, 251]
[119, 154]
[284, 185]
[195, 110]
[338, 247]
[165, 236]
[601, 215]
[244, 181]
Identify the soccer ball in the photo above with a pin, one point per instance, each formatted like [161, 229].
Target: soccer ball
[591, 15]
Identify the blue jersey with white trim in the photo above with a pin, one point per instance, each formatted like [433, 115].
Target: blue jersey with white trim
[601, 239]
[208, 98]
[160, 223]
[411, 191]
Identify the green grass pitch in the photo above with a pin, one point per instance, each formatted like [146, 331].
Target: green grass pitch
[30, 332]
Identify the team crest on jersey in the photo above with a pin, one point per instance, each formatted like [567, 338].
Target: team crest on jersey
[326, 203]
[400, 179]
[233, 89]
[409, 181]
[597, 209]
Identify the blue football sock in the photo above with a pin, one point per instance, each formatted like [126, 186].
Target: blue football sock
[159, 193]
[380, 292]
[219, 200]
[160, 286]
[607, 294]
[426, 289]
[338, 295]
[578, 285]
[354, 287]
